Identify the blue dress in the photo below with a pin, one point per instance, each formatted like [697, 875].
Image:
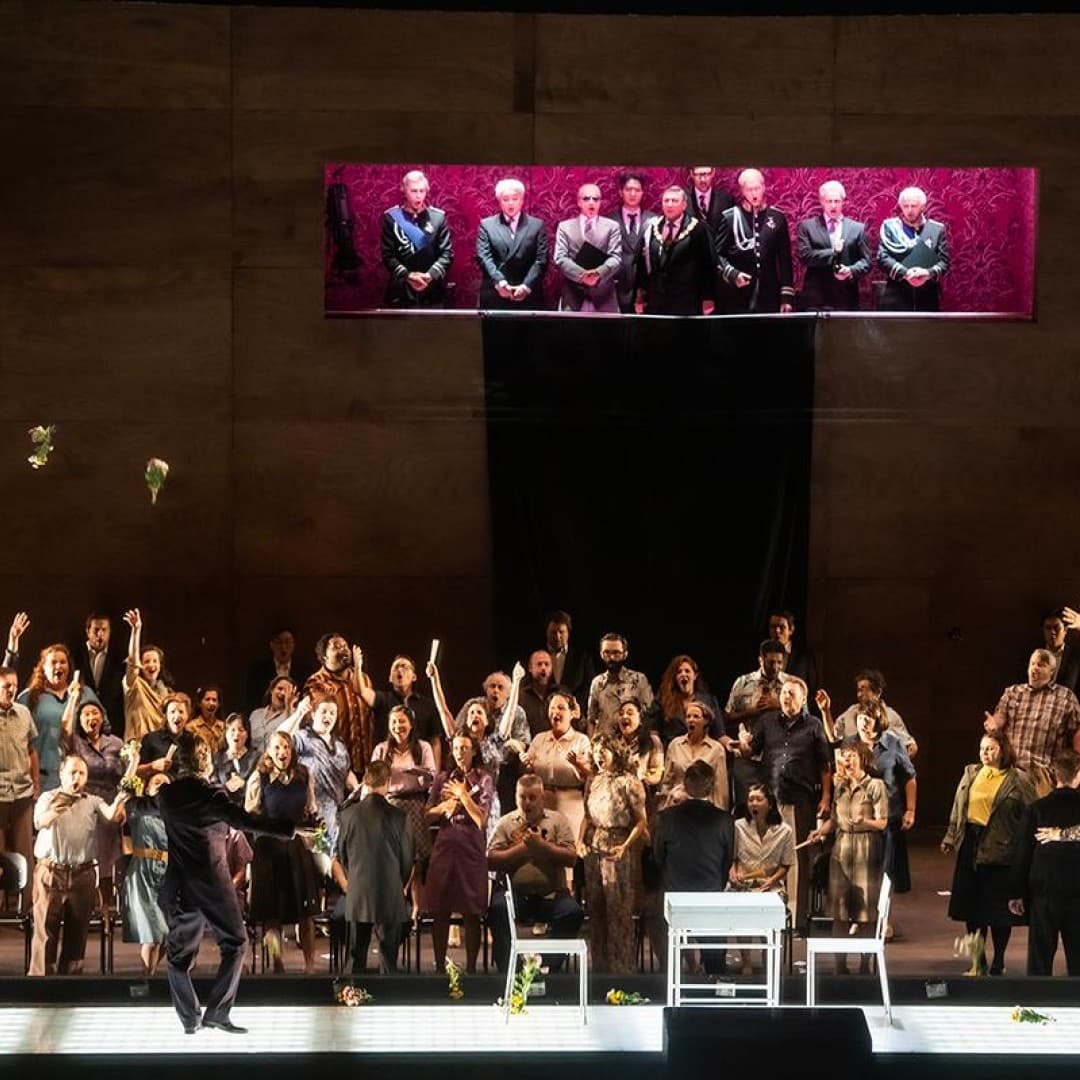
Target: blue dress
[144, 921]
[47, 713]
[329, 770]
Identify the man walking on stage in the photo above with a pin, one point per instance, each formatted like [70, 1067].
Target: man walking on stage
[198, 889]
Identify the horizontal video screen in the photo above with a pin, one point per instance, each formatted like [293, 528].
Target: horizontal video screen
[679, 240]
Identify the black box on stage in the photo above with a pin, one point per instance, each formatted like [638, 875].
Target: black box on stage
[700, 1041]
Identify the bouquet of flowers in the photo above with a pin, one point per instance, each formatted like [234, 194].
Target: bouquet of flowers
[320, 840]
[453, 977]
[523, 980]
[156, 471]
[347, 994]
[42, 439]
[624, 997]
[133, 785]
[1023, 1015]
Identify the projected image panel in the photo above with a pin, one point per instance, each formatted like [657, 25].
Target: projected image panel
[411, 237]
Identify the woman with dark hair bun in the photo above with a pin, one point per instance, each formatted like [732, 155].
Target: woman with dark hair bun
[613, 826]
[984, 832]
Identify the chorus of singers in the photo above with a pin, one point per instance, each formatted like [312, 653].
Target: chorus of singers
[705, 252]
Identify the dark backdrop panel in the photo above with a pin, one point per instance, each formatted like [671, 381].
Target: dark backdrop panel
[650, 477]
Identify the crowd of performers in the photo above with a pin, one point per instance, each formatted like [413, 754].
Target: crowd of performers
[570, 780]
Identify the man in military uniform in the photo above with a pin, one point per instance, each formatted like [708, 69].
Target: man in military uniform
[753, 252]
[416, 248]
[914, 253]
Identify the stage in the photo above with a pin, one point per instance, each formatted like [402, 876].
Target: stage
[472, 1039]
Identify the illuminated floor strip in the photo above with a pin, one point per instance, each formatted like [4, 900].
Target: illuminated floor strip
[472, 1029]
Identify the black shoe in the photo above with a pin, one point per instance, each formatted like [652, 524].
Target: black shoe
[190, 1029]
[225, 1025]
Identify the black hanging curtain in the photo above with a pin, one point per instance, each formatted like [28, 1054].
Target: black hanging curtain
[650, 477]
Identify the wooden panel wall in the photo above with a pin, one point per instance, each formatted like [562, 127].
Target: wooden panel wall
[160, 293]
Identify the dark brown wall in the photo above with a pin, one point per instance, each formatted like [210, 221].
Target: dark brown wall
[160, 293]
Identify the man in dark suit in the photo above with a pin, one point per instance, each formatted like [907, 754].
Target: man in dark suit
[914, 253]
[372, 866]
[512, 249]
[1046, 872]
[633, 222]
[198, 889]
[416, 248]
[280, 662]
[588, 252]
[571, 668]
[835, 251]
[707, 204]
[1055, 639]
[694, 843]
[676, 268]
[753, 250]
[102, 670]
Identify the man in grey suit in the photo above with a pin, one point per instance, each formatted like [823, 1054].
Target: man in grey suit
[372, 867]
[835, 252]
[512, 249]
[914, 253]
[588, 251]
[633, 222]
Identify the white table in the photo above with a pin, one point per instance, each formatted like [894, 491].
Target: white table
[696, 920]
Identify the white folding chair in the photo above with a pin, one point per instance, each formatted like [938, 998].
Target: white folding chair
[560, 946]
[874, 946]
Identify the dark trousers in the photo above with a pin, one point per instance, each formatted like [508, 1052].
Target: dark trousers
[561, 912]
[190, 907]
[1049, 917]
[389, 938]
[17, 834]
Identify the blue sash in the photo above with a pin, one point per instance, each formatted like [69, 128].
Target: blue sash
[411, 232]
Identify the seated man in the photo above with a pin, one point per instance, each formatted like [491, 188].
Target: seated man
[65, 878]
[533, 847]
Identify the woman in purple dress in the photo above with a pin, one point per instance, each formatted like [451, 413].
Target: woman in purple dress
[457, 878]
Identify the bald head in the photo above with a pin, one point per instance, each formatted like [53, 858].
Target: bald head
[752, 188]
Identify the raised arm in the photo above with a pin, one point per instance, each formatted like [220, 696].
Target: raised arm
[291, 724]
[365, 692]
[445, 714]
[71, 707]
[134, 619]
[506, 725]
[19, 625]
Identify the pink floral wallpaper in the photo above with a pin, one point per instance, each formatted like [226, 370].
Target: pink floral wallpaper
[990, 214]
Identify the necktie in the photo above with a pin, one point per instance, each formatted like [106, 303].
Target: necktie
[701, 203]
[589, 228]
[669, 232]
[632, 230]
[832, 225]
[513, 227]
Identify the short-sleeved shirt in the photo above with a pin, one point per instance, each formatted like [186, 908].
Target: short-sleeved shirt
[607, 694]
[157, 744]
[17, 731]
[795, 753]
[530, 878]
[747, 689]
[1039, 721]
[762, 856]
[48, 712]
[547, 758]
[71, 839]
[894, 767]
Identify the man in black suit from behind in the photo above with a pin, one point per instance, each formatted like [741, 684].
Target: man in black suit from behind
[512, 249]
[694, 844]
[1046, 872]
[372, 866]
[102, 669]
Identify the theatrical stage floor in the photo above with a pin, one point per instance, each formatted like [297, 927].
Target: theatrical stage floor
[459, 1029]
